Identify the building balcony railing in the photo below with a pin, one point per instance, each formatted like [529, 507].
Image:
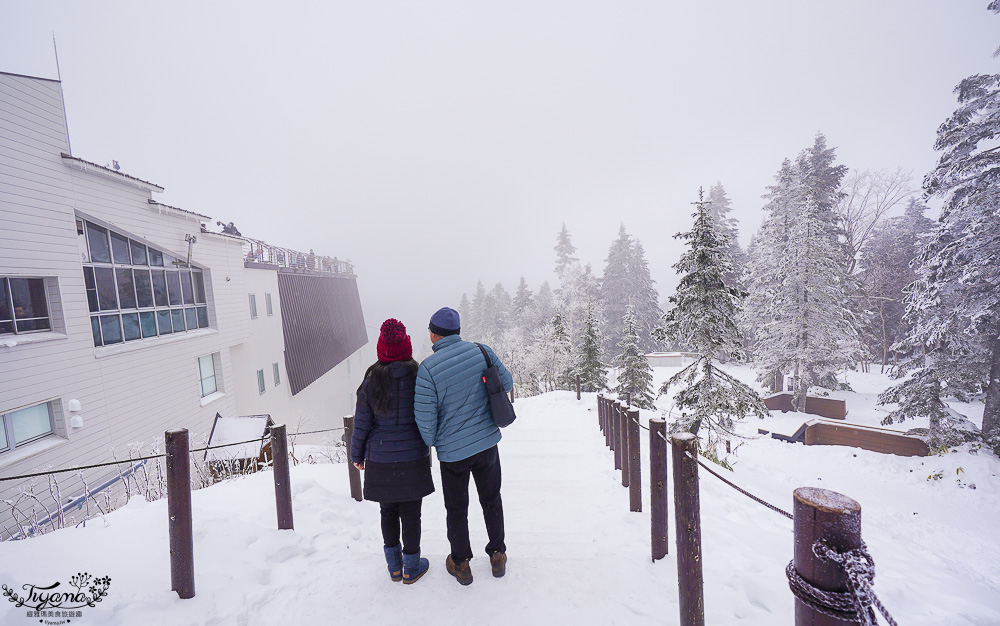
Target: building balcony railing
[260, 252]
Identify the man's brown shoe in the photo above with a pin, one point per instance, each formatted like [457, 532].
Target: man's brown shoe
[498, 561]
[460, 570]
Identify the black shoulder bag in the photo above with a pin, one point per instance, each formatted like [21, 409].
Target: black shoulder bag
[500, 406]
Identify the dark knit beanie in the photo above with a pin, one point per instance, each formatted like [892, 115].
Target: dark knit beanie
[393, 342]
[444, 322]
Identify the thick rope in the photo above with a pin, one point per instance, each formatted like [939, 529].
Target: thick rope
[851, 606]
[738, 488]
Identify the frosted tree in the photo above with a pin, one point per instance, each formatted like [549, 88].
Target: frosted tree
[719, 208]
[521, 305]
[542, 310]
[627, 280]
[553, 355]
[885, 272]
[497, 315]
[564, 250]
[704, 317]
[635, 376]
[865, 199]
[797, 280]
[473, 325]
[578, 286]
[955, 306]
[590, 365]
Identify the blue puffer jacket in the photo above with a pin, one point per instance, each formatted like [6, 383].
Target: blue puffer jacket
[452, 406]
[392, 436]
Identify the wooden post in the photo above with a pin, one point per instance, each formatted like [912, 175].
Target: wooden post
[352, 472]
[634, 462]
[623, 428]
[600, 412]
[607, 422]
[658, 487]
[282, 480]
[687, 521]
[577, 386]
[616, 433]
[179, 526]
[835, 519]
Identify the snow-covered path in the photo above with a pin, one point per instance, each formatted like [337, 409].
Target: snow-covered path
[577, 555]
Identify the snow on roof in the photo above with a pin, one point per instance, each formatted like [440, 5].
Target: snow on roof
[94, 168]
[233, 429]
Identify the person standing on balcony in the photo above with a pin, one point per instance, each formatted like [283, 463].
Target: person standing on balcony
[387, 445]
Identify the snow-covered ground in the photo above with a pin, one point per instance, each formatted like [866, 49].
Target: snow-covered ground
[577, 555]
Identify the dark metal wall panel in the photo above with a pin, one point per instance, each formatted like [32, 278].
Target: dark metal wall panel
[322, 322]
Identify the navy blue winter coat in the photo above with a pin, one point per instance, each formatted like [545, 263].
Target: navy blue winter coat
[392, 436]
[452, 403]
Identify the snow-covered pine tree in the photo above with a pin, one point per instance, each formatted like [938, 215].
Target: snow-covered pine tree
[464, 309]
[627, 280]
[542, 309]
[590, 366]
[635, 376]
[473, 327]
[797, 279]
[497, 313]
[564, 251]
[521, 305]
[720, 207]
[961, 266]
[553, 355]
[704, 317]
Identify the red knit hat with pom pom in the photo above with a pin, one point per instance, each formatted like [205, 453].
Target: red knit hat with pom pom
[393, 342]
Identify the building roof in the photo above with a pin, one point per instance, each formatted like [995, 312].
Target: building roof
[51, 80]
[228, 430]
[173, 208]
[101, 170]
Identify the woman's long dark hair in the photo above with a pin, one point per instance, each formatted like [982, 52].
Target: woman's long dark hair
[379, 377]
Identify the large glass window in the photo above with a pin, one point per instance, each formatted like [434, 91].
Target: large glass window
[134, 291]
[24, 425]
[23, 306]
[206, 373]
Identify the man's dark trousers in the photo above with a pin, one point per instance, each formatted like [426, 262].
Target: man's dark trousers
[485, 470]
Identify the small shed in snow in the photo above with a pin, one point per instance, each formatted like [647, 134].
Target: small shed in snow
[669, 359]
[252, 433]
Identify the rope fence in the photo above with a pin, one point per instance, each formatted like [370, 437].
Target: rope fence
[826, 526]
[156, 456]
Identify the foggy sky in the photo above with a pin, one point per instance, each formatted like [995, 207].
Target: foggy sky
[437, 143]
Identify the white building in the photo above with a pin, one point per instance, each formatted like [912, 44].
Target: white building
[120, 312]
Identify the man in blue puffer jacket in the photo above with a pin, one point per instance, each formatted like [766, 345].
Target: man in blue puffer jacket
[452, 409]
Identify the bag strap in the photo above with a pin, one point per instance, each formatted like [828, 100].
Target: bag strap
[485, 356]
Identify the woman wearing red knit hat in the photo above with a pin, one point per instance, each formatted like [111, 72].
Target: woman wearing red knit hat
[387, 445]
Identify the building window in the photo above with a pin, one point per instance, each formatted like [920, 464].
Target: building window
[260, 381]
[25, 425]
[206, 374]
[253, 306]
[277, 375]
[267, 301]
[135, 291]
[23, 306]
